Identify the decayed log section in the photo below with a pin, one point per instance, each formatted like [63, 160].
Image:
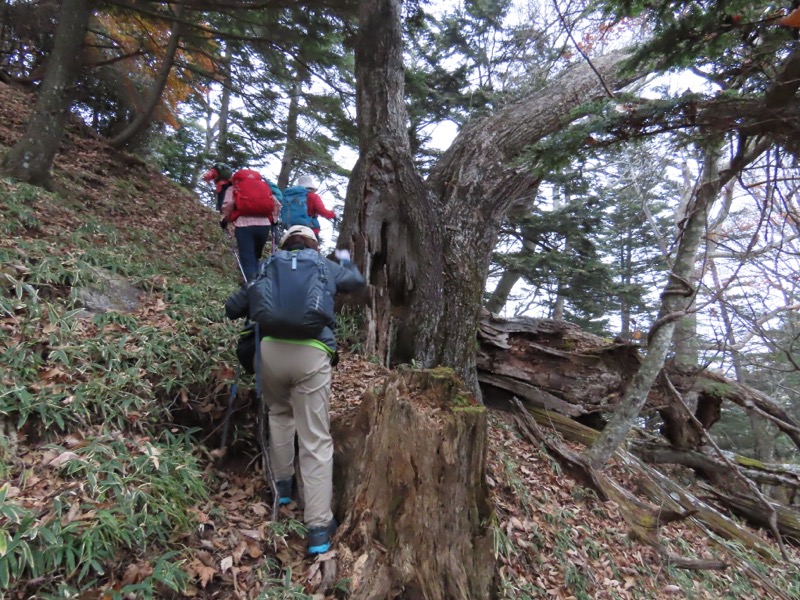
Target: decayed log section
[557, 366]
[410, 471]
[788, 519]
[643, 519]
[673, 500]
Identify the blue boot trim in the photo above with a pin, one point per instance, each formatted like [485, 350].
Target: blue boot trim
[319, 549]
[319, 538]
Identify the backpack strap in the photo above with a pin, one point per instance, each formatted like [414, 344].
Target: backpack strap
[323, 269]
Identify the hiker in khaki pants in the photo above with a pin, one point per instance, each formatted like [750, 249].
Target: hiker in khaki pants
[296, 382]
[292, 301]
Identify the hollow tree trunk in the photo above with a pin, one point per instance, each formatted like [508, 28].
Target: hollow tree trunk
[411, 469]
[391, 220]
[31, 158]
[425, 247]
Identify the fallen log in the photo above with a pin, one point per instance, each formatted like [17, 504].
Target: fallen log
[557, 366]
[672, 499]
[660, 489]
[753, 511]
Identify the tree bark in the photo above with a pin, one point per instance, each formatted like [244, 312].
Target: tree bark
[410, 465]
[32, 157]
[501, 293]
[425, 247]
[476, 184]
[391, 221]
[559, 367]
[223, 146]
[289, 150]
[145, 116]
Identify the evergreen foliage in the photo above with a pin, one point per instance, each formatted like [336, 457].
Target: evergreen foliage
[734, 41]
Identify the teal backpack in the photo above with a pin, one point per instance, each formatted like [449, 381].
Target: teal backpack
[294, 210]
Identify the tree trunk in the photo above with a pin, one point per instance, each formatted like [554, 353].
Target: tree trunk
[426, 249]
[223, 147]
[410, 466]
[289, 150]
[138, 126]
[685, 344]
[391, 221]
[517, 214]
[31, 158]
[501, 293]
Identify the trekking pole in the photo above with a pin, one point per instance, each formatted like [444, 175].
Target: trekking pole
[275, 229]
[226, 424]
[263, 431]
[236, 256]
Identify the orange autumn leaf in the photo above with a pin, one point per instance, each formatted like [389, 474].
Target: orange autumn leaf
[792, 19]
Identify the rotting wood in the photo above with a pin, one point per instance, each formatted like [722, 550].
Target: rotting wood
[643, 519]
[557, 366]
[412, 493]
[660, 489]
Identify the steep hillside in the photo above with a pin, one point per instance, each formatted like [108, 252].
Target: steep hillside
[116, 368]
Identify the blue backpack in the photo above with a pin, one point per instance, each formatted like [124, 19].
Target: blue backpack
[294, 210]
[291, 298]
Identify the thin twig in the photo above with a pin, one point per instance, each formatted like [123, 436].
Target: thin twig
[580, 51]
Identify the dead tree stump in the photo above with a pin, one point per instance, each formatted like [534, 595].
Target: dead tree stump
[412, 491]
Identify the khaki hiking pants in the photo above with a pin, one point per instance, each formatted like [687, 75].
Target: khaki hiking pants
[296, 384]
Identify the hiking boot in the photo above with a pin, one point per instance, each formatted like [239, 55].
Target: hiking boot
[319, 538]
[284, 487]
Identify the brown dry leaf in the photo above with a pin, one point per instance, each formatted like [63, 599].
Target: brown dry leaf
[136, 573]
[55, 374]
[314, 576]
[253, 534]
[225, 564]
[238, 552]
[72, 513]
[205, 574]
[205, 557]
[254, 550]
[62, 459]
[791, 20]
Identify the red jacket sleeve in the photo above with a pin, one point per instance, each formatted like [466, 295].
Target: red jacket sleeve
[316, 208]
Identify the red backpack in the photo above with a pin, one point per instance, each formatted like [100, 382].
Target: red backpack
[251, 195]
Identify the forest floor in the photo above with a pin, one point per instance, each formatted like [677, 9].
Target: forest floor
[552, 537]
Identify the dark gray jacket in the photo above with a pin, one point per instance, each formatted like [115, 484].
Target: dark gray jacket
[343, 278]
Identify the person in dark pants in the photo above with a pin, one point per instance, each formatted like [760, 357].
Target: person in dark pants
[251, 230]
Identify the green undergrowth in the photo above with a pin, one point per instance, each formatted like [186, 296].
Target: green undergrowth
[92, 393]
